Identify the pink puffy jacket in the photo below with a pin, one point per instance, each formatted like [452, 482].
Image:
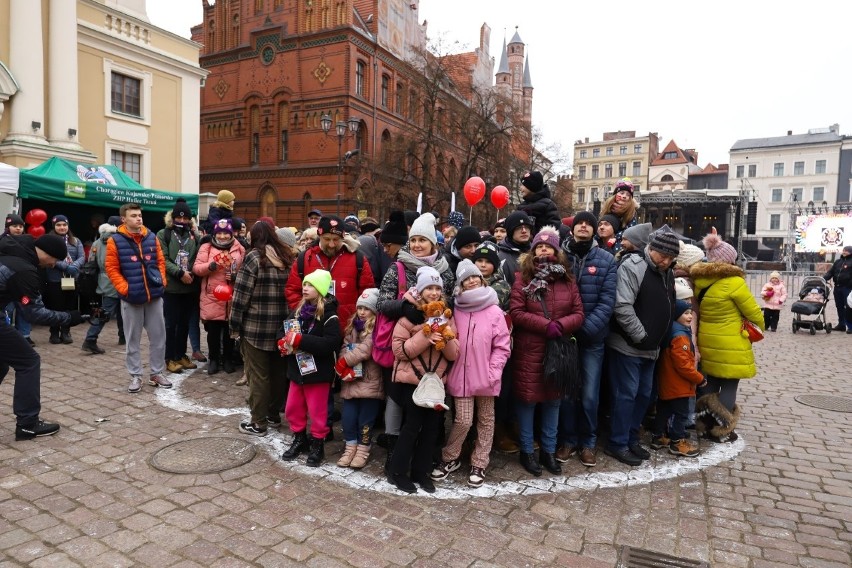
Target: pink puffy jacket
[213, 309]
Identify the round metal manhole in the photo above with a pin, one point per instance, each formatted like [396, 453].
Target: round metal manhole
[826, 402]
[203, 455]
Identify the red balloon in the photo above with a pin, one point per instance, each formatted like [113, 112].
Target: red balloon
[500, 196]
[223, 292]
[35, 230]
[35, 217]
[474, 190]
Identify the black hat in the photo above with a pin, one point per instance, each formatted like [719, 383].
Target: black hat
[665, 243]
[114, 220]
[533, 181]
[59, 219]
[369, 224]
[586, 216]
[237, 223]
[410, 217]
[488, 251]
[53, 245]
[500, 224]
[467, 235]
[330, 225]
[395, 231]
[613, 220]
[181, 209]
[12, 219]
[515, 220]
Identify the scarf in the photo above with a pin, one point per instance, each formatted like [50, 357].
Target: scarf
[358, 324]
[307, 312]
[476, 299]
[580, 248]
[413, 262]
[273, 258]
[547, 272]
[222, 246]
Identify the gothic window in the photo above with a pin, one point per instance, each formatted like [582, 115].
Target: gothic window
[386, 140]
[341, 13]
[268, 202]
[283, 125]
[211, 36]
[326, 15]
[258, 6]
[235, 30]
[400, 96]
[385, 82]
[360, 69]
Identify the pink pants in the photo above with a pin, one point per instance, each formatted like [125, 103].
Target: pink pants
[305, 401]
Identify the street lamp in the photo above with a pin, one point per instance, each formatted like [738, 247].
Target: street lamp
[343, 129]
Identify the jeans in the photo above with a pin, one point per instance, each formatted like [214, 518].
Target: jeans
[359, 416]
[21, 323]
[725, 388]
[525, 412]
[17, 354]
[578, 419]
[109, 305]
[677, 409]
[631, 379]
[176, 310]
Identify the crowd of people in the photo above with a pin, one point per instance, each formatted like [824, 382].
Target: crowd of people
[537, 334]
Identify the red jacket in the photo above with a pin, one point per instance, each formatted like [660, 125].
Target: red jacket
[343, 274]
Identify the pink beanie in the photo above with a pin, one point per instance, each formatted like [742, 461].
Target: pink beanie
[718, 250]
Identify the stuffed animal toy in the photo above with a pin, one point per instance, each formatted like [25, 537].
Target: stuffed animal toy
[438, 319]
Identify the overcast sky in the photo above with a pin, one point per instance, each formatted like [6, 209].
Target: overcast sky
[705, 74]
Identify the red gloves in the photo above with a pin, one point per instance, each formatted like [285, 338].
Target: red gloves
[289, 343]
[345, 371]
[282, 347]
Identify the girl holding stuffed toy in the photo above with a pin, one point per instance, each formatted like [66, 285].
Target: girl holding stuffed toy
[362, 391]
[774, 294]
[419, 349]
[310, 342]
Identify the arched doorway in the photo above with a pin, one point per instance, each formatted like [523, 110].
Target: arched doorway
[269, 203]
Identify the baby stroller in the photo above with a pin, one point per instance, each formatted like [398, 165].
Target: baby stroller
[813, 299]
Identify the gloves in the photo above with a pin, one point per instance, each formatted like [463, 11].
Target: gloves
[293, 339]
[213, 267]
[72, 271]
[76, 318]
[283, 348]
[554, 330]
[346, 372]
[411, 313]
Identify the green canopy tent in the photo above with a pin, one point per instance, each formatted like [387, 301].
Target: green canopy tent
[99, 186]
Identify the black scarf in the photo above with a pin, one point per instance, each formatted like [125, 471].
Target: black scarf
[580, 248]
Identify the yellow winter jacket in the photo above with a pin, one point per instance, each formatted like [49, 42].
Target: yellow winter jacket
[725, 353]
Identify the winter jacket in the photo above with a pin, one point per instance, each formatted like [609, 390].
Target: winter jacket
[344, 273]
[509, 254]
[213, 309]
[258, 307]
[322, 341]
[214, 214]
[483, 352]
[725, 353]
[98, 251]
[76, 258]
[644, 306]
[388, 303]
[409, 342]
[676, 373]
[375, 255]
[502, 288]
[564, 305]
[778, 297]
[371, 384]
[596, 274]
[180, 246]
[540, 206]
[136, 266]
[841, 271]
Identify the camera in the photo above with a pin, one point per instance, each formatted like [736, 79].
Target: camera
[99, 316]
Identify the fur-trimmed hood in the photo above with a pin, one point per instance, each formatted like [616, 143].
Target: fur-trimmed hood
[715, 270]
[193, 224]
[106, 231]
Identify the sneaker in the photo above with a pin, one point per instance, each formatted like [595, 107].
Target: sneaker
[564, 453]
[37, 430]
[252, 428]
[624, 456]
[174, 366]
[135, 384]
[273, 421]
[30, 341]
[587, 457]
[476, 477]
[159, 381]
[186, 363]
[199, 356]
[660, 442]
[242, 380]
[443, 469]
[92, 347]
[683, 447]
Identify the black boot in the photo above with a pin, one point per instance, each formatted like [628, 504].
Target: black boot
[390, 441]
[297, 446]
[530, 463]
[317, 453]
[228, 365]
[549, 462]
[65, 336]
[213, 366]
[54, 336]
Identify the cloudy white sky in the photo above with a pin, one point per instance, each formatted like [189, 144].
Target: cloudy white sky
[703, 73]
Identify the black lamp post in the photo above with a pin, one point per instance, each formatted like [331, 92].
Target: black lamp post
[343, 129]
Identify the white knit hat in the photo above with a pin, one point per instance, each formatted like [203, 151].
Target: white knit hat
[424, 226]
[465, 270]
[682, 288]
[689, 255]
[428, 276]
[369, 298]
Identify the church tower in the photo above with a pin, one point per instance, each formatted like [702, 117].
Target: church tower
[513, 78]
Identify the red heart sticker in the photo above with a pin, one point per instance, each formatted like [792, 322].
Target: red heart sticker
[593, 270]
[25, 300]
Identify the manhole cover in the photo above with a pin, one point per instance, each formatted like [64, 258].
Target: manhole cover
[826, 402]
[629, 557]
[203, 455]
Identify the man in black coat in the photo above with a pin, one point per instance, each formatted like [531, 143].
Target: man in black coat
[841, 271]
[537, 202]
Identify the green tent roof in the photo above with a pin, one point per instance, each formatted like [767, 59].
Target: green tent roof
[95, 185]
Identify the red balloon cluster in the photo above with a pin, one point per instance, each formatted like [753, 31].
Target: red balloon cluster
[223, 292]
[499, 196]
[474, 190]
[35, 230]
[35, 218]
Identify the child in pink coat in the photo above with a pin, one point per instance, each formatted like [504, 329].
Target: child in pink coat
[475, 378]
[774, 294]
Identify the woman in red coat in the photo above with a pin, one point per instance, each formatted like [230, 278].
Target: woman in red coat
[545, 304]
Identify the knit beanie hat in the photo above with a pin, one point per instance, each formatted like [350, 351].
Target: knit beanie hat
[12, 219]
[775, 274]
[287, 236]
[395, 230]
[533, 181]
[369, 224]
[410, 217]
[465, 270]
[682, 288]
[718, 250]
[330, 225]
[665, 242]
[624, 185]
[424, 226]
[637, 234]
[369, 298]
[613, 220]
[428, 276]
[517, 219]
[680, 307]
[467, 235]
[53, 245]
[59, 219]
[181, 212]
[548, 236]
[225, 199]
[586, 216]
[488, 251]
[456, 219]
[319, 279]
[223, 226]
[689, 255]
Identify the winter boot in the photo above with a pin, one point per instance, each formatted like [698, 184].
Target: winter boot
[390, 440]
[65, 336]
[714, 421]
[298, 446]
[530, 463]
[362, 455]
[317, 452]
[91, 346]
[549, 462]
[54, 336]
[348, 454]
[212, 366]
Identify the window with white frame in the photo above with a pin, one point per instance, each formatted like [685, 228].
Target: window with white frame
[608, 170]
[360, 69]
[778, 169]
[596, 153]
[798, 168]
[774, 222]
[798, 193]
[609, 151]
[583, 153]
[582, 172]
[129, 163]
[752, 170]
[740, 171]
[595, 171]
[581, 195]
[637, 169]
[622, 169]
[819, 194]
[776, 194]
[637, 148]
[127, 93]
[820, 167]
[622, 150]
[594, 194]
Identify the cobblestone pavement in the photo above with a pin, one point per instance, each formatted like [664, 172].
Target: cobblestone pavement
[89, 496]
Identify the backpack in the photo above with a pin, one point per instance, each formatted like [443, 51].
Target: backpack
[383, 331]
[359, 264]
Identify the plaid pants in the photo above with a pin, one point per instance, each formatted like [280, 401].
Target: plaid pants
[484, 406]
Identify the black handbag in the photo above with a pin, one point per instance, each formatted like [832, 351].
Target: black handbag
[562, 364]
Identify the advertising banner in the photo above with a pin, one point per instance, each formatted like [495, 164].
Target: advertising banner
[823, 233]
